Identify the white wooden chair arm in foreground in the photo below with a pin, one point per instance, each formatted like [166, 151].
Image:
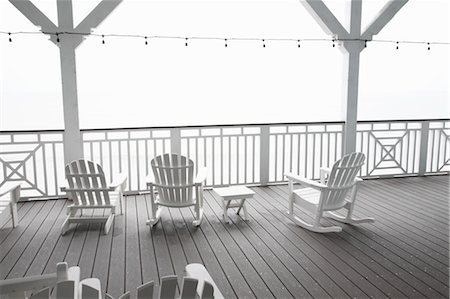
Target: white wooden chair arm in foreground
[21, 287]
[206, 287]
[9, 196]
[66, 284]
[322, 199]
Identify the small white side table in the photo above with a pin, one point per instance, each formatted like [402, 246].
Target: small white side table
[238, 193]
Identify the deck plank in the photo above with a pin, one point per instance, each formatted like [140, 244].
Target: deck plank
[405, 253]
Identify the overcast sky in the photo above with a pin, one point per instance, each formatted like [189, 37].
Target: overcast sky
[124, 83]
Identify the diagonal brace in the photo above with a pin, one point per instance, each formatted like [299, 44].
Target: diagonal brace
[325, 18]
[384, 16]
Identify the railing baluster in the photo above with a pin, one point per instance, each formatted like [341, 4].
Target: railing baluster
[423, 147]
[264, 156]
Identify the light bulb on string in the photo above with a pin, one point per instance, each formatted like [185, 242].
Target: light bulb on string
[57, 37]
[429, 47]
[396, 46]
[226, 43]
[9, 39]
[298, 43]
[146, 43]
[264, 43]
[186, 44]
[103, 39]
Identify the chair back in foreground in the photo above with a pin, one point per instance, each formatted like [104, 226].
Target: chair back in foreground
[66, 283]
[330, 194]
[91, 194]
[174, 185]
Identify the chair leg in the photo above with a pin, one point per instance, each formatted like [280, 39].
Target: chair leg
[108, 223]
[156, 214]
[121, 202]
[15, 218]
[225, 210]
[65, 226]
[198, 214]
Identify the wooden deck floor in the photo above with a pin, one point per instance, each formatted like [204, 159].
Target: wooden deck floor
[405, 253]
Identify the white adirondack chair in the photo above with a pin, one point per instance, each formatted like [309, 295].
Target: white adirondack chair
[176, 186]
[89, 191]
[322, 198]
[9, 196]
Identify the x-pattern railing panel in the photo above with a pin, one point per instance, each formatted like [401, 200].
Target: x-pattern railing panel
[35, 160]
[438, 147]
[391, 148]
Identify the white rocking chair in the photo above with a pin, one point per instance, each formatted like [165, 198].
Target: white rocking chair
[176, 187]
[321, 198]
[88, 189]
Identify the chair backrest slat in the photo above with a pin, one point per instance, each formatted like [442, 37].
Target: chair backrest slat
[174, 178]
[168, 287]
[87, 183]
[86, 180]
[189, 288]
[145, 291]
[42, 294]
[208, 291]
[342, 177]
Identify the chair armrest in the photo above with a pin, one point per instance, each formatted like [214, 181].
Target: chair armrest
[9, 188]
[149, 180]
[325, 170]
[119, 181]
[305, 181]
[358, 180]
[201, 175]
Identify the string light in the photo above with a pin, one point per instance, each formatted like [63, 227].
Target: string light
[226, 40]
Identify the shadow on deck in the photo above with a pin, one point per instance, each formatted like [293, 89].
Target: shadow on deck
[405, 253]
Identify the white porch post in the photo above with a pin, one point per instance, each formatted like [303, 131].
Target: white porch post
[352, 43]
[67, 43]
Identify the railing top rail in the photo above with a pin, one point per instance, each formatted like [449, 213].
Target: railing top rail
[220, 126]
[402, 120]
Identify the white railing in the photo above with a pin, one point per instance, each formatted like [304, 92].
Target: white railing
[233, 154]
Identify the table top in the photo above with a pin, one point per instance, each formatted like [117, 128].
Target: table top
[234, 191]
